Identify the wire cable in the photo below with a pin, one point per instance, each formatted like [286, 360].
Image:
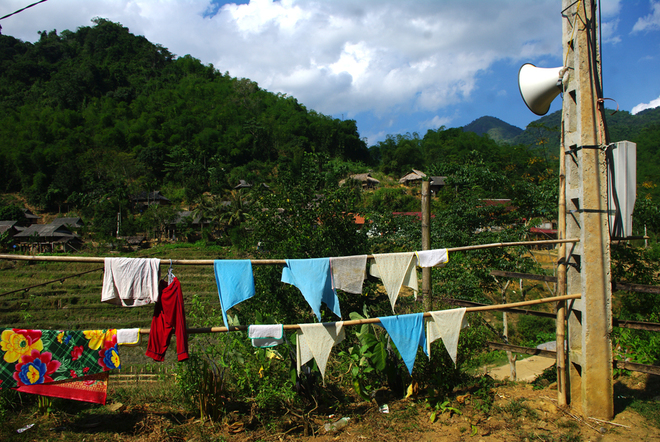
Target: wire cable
[22, 9]
[60, 280]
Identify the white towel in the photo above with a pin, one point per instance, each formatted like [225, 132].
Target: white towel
[348, 273]
[446, 324]
[130, 282]
[128, 336]
[266, 335]
[395, 270]
[317, 340]
[432, 258]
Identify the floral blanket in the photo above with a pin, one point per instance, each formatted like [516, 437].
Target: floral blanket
[54, 362]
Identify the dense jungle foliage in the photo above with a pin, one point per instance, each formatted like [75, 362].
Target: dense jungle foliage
[89, 117]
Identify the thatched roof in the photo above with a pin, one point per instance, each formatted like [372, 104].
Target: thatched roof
[8, 226]
[438, 180]
[150, 197]
[415, 175]
[46, 233]
[70, 222]
[364, 178]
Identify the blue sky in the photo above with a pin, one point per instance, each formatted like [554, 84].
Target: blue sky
[395, 66]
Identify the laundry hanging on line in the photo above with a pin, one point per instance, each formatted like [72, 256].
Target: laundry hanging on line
[130, 282]
[432, 258]
[266, 335]
[407, 333]
[445, 324]
[396, 270]
[59, 363]
[348, 273]
[316, 341]
[169, 317]
[129, 337]
[314, 279]
[235, 282]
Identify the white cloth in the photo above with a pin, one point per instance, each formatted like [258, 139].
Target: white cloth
[128, 336]
[446, 324]
[266, 335]
[316, 341]
[395, 270]
[130, 282]
[348, 273]
[432, 258]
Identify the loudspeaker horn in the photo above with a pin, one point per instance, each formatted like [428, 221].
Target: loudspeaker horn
[539, 86]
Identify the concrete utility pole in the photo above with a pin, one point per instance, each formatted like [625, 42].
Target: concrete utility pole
[427, 296]
[588, 263]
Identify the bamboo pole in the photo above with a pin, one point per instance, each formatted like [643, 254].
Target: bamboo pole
[562, 395]
[505, 321]
[101, 260]
[376, 320]
[427, 296]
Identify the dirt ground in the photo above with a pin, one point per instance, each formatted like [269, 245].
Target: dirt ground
[518, 413]
[526, 369]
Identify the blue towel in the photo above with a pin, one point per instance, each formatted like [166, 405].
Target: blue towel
[313, 278]
[235, 283]
[407, 333]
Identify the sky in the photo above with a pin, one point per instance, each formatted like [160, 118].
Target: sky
[394, 66]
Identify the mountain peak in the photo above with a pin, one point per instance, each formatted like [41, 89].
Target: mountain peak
[496, 129]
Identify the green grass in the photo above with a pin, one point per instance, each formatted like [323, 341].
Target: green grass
[75, 302]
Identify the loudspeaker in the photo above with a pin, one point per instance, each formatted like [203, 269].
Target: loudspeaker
[539, 86]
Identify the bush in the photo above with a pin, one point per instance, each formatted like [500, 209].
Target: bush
[534, 330]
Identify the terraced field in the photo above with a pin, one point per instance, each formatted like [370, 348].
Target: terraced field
[72, 300]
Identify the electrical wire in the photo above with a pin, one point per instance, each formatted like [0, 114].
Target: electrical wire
[60, 280]
[22, 9]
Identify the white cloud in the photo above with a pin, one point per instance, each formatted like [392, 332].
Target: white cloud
[643, 106]
[435, 123]
[335, 56]
[650, 22]
[610, 8]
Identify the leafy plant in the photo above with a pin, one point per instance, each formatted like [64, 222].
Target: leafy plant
[440, 408]
[368, 357]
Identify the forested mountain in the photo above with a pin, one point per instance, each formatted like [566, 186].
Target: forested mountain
[495, 128]
[100, 111]
[542, 137]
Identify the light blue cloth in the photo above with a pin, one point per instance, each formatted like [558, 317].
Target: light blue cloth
[407, 333]
[235, 283]
[313, 278]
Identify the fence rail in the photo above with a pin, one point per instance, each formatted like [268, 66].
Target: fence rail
[625, 365]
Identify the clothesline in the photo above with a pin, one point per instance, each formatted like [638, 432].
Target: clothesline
[203, 330]
[271, 261]
[60, 280]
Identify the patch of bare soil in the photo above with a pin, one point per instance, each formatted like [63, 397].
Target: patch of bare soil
[512, 412]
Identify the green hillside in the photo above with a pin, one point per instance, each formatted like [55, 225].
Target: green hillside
[90, 118]
[99, 111]
[496, 129]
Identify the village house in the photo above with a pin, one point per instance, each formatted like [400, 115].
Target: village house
[414, 178]
[142, 201]
[40, 238]
[367, 181]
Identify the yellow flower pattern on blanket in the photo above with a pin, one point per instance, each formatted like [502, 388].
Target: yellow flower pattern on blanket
[96, 338]
[19, 343]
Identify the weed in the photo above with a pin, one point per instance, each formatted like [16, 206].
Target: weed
[569, 424]
[483, 396]
[517, 409]
[548, 376]
[649, 409]
[441, 408]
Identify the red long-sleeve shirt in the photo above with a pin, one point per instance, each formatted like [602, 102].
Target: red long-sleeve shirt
[169, 317]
